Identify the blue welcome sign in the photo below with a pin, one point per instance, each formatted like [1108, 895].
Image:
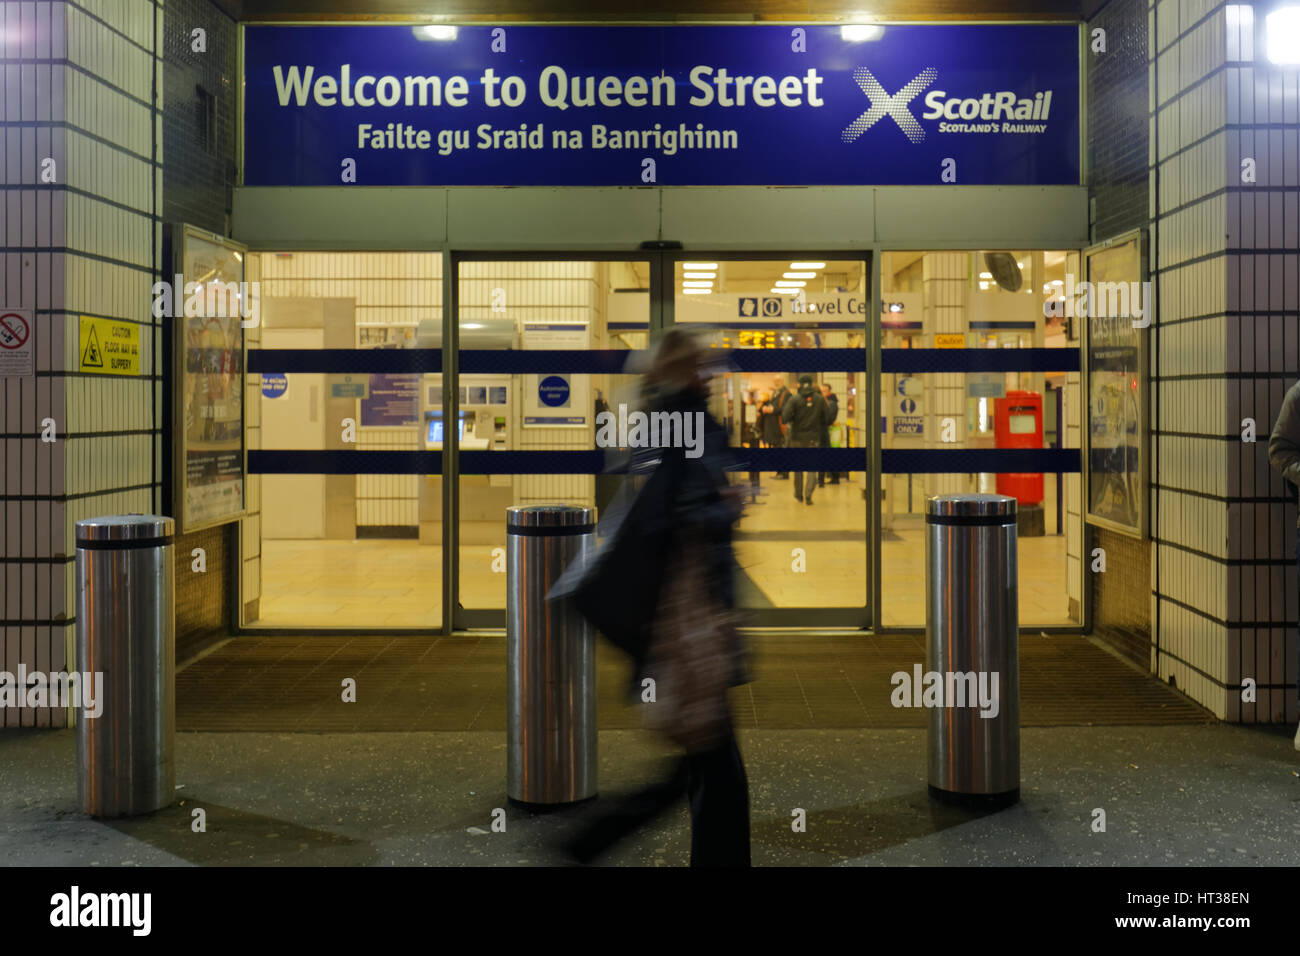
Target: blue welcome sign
[385, 105]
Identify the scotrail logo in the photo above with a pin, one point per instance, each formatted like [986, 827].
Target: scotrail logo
[998, 105]
[883, 104]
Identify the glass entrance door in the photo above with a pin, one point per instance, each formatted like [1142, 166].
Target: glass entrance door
[795, 405]
[543, 348]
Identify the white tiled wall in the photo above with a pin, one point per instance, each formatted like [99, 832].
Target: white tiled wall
[82, 245]
[1225, 349]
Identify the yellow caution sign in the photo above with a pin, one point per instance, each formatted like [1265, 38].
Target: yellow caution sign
[949, 340]
[109, 347]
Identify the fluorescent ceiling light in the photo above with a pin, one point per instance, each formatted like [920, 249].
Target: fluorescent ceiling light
[698, 285]
[436, 31]
[784, 291]
[807, 265]
[790, 283]
[859, 32]
[801, 275]
[984, 285]
[699, 265]
[696, 291]
[986, 275]
[1282, 35]
[699, 275]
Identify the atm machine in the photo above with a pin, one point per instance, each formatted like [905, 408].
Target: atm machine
[486, 411]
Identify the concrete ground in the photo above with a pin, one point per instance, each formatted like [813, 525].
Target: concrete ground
[1172, 795]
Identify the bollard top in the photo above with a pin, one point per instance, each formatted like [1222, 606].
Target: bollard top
[567, 517]
[127, 529]
[986, 509]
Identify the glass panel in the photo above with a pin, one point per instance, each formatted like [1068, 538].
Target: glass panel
[970, 300]
[528, 307]
[348, 551]
[793, 554]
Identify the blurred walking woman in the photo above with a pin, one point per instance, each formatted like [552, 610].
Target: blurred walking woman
[681, 526]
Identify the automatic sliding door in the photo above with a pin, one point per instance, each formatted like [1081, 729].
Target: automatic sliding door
[794, 405]
[542, 351]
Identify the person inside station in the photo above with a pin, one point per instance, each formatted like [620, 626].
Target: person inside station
[832, 413]
[805, 415]
[780, 393]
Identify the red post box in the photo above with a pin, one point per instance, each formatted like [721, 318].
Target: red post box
[1018, 423]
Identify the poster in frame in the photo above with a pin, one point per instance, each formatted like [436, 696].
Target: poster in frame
[1115, 311]
[208, 361]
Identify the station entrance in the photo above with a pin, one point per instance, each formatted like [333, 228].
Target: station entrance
[376, 418]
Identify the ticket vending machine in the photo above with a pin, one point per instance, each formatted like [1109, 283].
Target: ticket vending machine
[485, 421]
[1018, 423]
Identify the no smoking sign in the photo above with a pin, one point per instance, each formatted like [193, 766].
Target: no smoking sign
[17, 343]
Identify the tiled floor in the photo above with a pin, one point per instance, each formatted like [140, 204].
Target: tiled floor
[397, 583]
[459, 683]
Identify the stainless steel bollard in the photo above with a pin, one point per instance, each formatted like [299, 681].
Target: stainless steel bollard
[972, 649]
[126, 630]
[550, 659]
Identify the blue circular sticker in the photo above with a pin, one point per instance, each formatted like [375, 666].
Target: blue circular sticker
[553, 391]
[274, 384]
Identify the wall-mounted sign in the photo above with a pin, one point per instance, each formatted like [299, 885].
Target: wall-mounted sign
[949, 340]
[389, 105]
[108, 347]
[274, 384]
[393, 401]
[560, 399]
[17, 343]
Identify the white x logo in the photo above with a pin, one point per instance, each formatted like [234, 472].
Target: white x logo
[882, 104]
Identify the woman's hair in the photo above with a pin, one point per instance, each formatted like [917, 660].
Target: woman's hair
[676, 362]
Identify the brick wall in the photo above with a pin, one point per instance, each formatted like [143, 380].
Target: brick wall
[199, 169]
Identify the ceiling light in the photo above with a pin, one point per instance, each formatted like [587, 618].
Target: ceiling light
[708, 284]
[800, 275]
[696, 291]
[785, 291]
[699, 275]
[807, 265]
[986, 275]
[860, 32]
[790, 283]
[1282, 34]
[699, 265]
[436, 31]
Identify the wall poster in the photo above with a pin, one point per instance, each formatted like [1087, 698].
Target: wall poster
[208, 347]
[1114, 308]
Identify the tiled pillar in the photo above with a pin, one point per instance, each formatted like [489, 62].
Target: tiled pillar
[84, 243]
[1224, 349]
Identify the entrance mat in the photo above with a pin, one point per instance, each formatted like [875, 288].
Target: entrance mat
[296, 684]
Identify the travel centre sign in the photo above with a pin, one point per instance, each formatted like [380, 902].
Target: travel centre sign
[385, 105]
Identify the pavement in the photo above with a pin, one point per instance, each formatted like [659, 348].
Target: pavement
[1179, 795]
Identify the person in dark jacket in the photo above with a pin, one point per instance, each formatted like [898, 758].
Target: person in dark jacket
[686, 517]
[780, 394]
[1284, 456]
[805, 415]
[832, 413]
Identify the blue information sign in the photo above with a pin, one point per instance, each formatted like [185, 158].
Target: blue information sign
[274, 384]
[385, 105]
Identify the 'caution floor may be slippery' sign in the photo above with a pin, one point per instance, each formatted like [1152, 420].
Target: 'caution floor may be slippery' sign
[109, 347]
